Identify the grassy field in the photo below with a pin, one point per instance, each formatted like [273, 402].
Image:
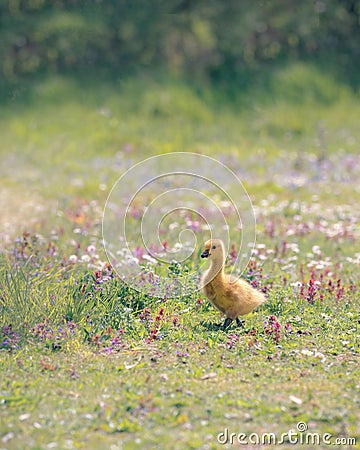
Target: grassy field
[88, 362]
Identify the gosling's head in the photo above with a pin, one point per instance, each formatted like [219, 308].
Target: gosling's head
[213, 249]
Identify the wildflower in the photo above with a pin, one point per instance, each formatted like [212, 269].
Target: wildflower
[272, 327]
[232, 340]
[152, 335]
[316, 250]
[96, 339]
[181, 354]
[150, 259]
[340, 290]
[138, 252]
[194, 225]
[101, 276]
[320, 356]
[270, 228]
[145, 315]
[312, 290]
[233, 252]
[135, 213]
[159, 316]
[91, 249]
[9, 340]
[296, 285]
[307, 352]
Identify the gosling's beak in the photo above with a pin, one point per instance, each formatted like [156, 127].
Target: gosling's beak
[205, 254]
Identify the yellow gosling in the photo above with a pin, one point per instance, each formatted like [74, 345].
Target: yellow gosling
[234, 299]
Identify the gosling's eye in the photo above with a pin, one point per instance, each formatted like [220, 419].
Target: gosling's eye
[214, 247]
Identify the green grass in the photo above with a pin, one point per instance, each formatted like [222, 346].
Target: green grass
[90, 363]
[192, 382]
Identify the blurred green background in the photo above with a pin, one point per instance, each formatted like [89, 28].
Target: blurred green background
[221, 41]
[87, 88]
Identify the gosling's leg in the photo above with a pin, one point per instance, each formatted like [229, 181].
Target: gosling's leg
[239, 323]
[226, 323]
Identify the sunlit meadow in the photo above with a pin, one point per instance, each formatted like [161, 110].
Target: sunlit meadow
[89, 362]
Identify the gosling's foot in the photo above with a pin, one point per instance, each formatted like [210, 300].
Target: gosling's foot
[226, 323]
[240, 323]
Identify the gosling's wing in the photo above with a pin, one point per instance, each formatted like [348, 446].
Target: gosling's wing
[244, 297]
[244, 287]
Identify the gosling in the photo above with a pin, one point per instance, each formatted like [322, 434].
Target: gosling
[232, 298]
